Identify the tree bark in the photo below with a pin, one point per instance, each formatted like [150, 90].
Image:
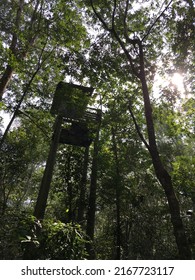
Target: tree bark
[7, 75]
[161, 173]
[82, 203]
[118, 196]
[21, 100]
[9, 71]
[92, 199]
[5, 79]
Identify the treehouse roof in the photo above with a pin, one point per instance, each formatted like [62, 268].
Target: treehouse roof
[70, 100]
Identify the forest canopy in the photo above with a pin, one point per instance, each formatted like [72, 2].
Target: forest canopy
[109, 175]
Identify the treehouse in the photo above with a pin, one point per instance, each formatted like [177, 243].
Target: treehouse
[70, 100]
[75, 124]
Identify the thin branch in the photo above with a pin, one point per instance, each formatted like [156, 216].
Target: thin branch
[125, 21]
[34, 122]
[121, 43]
[138, 129]
[39, 65]
[156, 20]
[99, 17]
[113, 14]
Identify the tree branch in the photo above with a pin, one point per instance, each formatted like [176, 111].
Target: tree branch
[35, 123]
[113, 31]
[122, 44]
[125, 21]
[39, 65]
[138, 129]
[113, 14]
[156, 20]
[99, 17]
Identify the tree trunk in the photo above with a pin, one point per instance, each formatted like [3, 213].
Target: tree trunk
[41, 203]
[82, 203]
[9, 71]
[7, 75]
[92, 200]
[69, 189]
[5, 79]
[118, 194]
[161, 173]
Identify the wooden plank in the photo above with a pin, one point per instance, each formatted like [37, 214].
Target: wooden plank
[74, 138]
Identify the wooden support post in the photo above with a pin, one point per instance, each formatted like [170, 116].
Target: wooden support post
[41, 203]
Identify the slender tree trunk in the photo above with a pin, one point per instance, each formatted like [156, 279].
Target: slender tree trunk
[118, 194]
[82, 203]
[7, 75]
[92, 199]
[5, 79]
[9, 71]
[22, 98]
[69, 189]
[118, 224]
[41, 203]
[4, 198]
[161, 173]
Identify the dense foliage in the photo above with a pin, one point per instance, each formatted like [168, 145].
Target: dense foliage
[96, 44]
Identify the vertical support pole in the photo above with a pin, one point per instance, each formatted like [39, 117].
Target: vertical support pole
[41, 203]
